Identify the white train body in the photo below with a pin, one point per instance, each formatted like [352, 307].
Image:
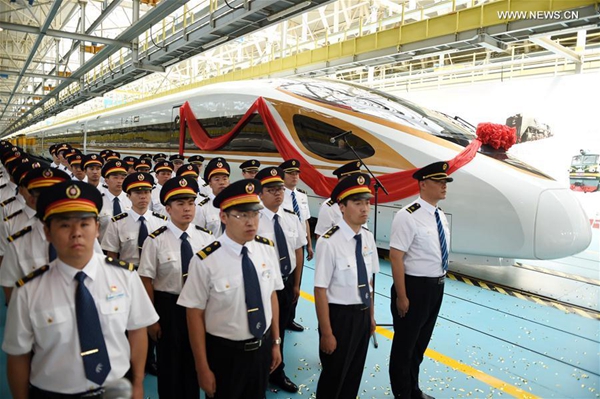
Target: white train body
[498, 209]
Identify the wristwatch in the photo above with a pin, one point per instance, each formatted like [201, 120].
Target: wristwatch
[277, 341]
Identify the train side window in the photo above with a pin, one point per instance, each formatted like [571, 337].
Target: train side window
[316, 135]
[253, 137]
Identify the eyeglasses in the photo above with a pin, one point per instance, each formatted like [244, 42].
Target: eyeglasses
[245, 216]
[275, 190]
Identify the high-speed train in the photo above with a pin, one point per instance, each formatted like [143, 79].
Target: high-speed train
[498, 207]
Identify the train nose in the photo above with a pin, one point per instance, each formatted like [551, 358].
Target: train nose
[562, 227]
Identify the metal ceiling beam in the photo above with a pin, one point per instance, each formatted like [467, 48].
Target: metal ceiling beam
[549, 44]
[36, 75]
[8, 93]
[62, 34]
[49, 18]
[162, 10]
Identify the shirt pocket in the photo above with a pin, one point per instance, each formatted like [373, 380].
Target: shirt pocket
[51, 323]
[228, 285]
[345, 270]
[114, 312]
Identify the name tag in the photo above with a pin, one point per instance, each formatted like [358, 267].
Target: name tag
[115, 295]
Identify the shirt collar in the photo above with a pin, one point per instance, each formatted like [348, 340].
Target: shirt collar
[29, 212]
[177, 231]
[136, 216]
[347, 230]
[232, 245]
[268, 213]
[426, 205]
[69, 272]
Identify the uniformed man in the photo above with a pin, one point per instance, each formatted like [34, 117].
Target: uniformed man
[163, 171]
[60, 153]
[203, 186]
[92, 165]
[114, 199]
[142, 165]
[146, 156]
[177, 160]
[76, 170]
[164, 268]
[56, 340]
[346, 260]
[113, 156]
[419, 244]
[27, 249]
[188, 170]
[283, 227]
[159, 157]
[329, 212]
[127, 231]
[232, 305]
[55, 161]
[130, 162]
[296, 200]
[217, 175]
[250, 168]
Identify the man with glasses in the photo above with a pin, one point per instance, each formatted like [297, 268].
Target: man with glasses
[164, 265]
[217, 175]
[419, 245]
[232, 305]
[283, 227]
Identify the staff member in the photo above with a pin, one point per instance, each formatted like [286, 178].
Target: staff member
[114, 199]
[163, 171]
[127, 231]
[282, 227]
[419, 245]
[232, 305]
[217, 175]
[250, 168]
[164, 267]
[92, 165]
[66, 325]
[202, 185]
[346, 260]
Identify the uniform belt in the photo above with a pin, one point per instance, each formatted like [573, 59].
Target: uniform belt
[248, 345]
[358, 306]
[429, 280]
[35, 393]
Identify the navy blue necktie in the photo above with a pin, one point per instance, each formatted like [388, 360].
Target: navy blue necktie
[93, 348]
[256, 312]
[361, 270]
[442, 237]
[51, 252]
[284, 255]
[186, 255]
[295, 205]
[142, 234]
[116, 206]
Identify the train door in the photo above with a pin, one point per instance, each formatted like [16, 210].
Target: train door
[174, 129]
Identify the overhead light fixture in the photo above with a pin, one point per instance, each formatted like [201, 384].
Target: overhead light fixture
[288, 11]
[215, 42]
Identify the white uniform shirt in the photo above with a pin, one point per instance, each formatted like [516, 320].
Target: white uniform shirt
[335, 266]
[302, 200]
[106, 213]
[122, 235]
[207, 216]
[12, 206]
[156, 206]
[291, 226]
[216, 284]
[329, 216]
[23, 218]
[416, 234]
[161, 256]
[27, 253]
[7, 190]
[42, 318]
[205, 189]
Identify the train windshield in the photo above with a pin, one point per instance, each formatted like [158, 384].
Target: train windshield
[584, 160]
[382, 105]
[386, 106]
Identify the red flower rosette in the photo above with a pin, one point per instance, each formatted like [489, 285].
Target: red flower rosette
[496, 135]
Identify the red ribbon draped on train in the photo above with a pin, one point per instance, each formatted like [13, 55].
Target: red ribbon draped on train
[399, 184]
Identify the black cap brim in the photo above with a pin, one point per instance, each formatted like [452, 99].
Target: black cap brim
[245, 207]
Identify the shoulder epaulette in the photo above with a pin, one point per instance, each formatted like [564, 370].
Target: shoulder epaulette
[331, 231]
[37, 272]
[440, 209]
[288, 211]
[105, 185]
[119, 216]
[204, 230]
[12, 215]
[264, 240]
[103, 194]
[158, 231]
[202, 195]
[330, 202]
[2, 186]
[19, 233]
[204, 201]
[301, 191]
[120, 263]
[365, 227]
[205, 185]
[204, 252]
[413, 207]
[160, 216]
[8, 201]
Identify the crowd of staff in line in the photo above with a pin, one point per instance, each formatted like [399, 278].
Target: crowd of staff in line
[114, 267]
